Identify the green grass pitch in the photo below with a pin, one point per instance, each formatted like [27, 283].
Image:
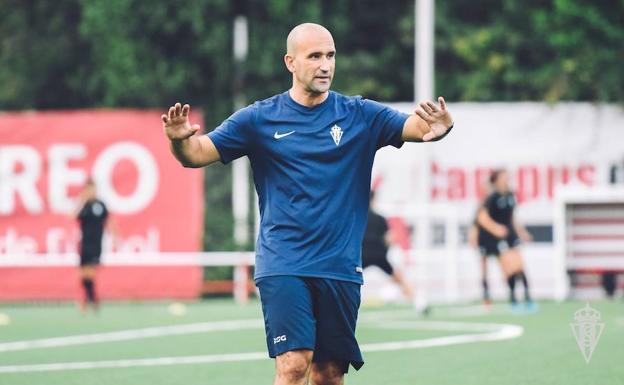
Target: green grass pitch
[217, 342]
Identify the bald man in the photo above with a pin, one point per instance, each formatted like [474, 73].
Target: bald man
[311, 151]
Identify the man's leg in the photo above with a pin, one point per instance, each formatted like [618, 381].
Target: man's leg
[90, 285]
[336, 305]
[87, 284]
[398, 277]
[507, 265]
[85, 295]
[609, 283]
[87, 275]
[327, 373]
[519, 272]
[522, 276]
[484, 282]
[290, 326]
[293, 367]
[405, 286]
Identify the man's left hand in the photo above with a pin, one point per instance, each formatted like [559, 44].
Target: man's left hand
[438, 118]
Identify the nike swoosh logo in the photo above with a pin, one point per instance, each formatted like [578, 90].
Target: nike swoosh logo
[280, 136]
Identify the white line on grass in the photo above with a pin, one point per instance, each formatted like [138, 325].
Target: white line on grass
[132, 334]
[505, 332]
[433, 325]
[243, 324]
[447, 311]
[487, 333]
[160, 361]
[472, 310]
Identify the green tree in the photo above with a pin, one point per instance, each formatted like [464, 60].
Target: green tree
[530, 50]
[40, 51]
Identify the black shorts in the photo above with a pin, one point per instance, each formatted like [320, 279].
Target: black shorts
[89, 261]
[89, 255]
[495, 247]
[317, 314]
[381, 263]
[377, 260]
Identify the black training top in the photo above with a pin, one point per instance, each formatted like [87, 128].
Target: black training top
[482, 233]
[374, 243]
[500, 207]
[92, 218]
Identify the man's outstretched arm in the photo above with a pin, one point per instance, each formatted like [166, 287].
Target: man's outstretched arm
[189, 149]
[430, 123]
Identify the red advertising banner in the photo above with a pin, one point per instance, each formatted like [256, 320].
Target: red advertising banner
[155, 205]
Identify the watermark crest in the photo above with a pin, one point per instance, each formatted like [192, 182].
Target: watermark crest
[587, 330]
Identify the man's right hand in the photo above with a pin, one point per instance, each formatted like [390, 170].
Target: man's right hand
[176, 123]
[500, 231]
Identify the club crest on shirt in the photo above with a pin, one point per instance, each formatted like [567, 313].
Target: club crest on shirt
[97, 209]
[336, 133]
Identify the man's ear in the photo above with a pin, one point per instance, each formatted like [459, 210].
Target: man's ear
[288, 60]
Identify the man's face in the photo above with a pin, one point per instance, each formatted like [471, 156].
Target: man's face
[313, 63]
[89, 192]
[502, 182]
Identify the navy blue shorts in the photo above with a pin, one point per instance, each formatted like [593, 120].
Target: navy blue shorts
[317, 314]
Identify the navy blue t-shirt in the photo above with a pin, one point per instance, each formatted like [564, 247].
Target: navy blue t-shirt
[312, 171]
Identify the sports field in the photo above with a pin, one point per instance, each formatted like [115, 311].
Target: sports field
[217, 342]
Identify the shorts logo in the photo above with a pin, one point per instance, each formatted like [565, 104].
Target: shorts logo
[279, 339]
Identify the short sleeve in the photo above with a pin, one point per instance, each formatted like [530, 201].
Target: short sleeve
[489, 202]
[386, 123]
[232, 137]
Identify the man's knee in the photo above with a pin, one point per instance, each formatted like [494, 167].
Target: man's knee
[326, 373]
[293, 366]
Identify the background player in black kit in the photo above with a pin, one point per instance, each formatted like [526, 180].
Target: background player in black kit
[377, 238]
[502, 234]
[476, 239]
[92, 215]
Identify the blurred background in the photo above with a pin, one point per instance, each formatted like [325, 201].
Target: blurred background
[81, 71]
[536, 87]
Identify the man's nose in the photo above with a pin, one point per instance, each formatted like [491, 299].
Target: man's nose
[325, 65]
